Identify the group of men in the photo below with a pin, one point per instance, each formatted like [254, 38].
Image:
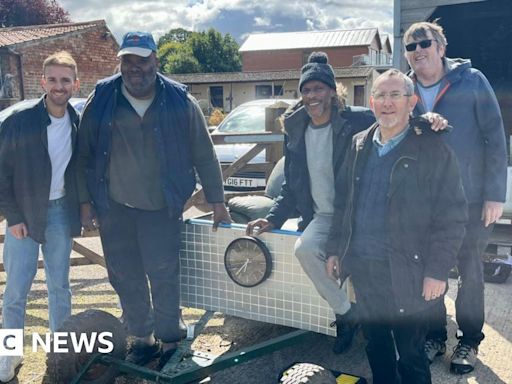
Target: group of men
[395, 206]
[381, 200]
[128, 168]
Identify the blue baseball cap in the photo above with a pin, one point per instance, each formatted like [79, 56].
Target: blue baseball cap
[137, 43]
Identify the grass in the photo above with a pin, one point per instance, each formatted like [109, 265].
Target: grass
[90, 288]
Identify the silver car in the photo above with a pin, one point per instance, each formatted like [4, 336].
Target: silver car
[246, 118]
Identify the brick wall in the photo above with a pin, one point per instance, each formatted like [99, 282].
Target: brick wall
[293, 59]
[94, 50]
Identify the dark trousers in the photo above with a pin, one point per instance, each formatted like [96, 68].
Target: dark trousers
[469, 305]
[385, 330]
[139, 246]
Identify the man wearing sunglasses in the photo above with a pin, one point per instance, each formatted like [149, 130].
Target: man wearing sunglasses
[462, 94]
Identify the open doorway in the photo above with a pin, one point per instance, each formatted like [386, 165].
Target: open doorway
[482, 32]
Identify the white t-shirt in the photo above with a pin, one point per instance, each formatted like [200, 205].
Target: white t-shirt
[59, 149]
[140, 105]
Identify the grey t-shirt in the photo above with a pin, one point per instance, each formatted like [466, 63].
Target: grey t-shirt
[428, 95]
[319, 161]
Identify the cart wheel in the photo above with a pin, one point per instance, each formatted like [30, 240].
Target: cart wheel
[496, 272]
[62, 368]
[307, 373]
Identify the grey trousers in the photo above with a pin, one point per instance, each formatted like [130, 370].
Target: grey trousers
[310, 251]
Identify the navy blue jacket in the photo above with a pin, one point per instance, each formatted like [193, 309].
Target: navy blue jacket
[468, 102]
[171, 138]
[26, 170]
[427, 212]
[295, 193]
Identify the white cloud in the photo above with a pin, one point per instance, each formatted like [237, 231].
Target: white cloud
[261, 22]
[159, 16]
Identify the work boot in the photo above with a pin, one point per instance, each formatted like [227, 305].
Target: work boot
[142, 353]
[8, 365]
[463, 358]
[434, 348]
[346, 327]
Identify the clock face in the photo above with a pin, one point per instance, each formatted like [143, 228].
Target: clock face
[248, 261]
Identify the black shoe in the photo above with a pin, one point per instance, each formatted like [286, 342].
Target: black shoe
[141, 354]
[346, 328]
[464, 358]
[164, 359]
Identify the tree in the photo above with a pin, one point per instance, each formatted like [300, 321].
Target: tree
[182, 62]
[177, 35]
[214, 52]
[182, 51]
[31, 12]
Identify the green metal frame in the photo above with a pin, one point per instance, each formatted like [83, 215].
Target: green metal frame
[188, 375]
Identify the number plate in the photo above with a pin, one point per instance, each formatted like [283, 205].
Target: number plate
[243, 182]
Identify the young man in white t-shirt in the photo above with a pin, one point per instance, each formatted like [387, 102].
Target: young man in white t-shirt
[38, 198]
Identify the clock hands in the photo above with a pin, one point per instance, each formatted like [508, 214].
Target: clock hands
[243, 267]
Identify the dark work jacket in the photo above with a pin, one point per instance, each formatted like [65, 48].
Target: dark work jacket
[26, 170]
[467, 100]
[427, 212]
[295, 193]
[171, 138]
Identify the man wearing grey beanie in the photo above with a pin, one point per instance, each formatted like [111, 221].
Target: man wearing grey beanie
[318, 130]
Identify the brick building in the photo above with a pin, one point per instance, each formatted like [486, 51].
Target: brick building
[271, 65]
[290, 50]
[23, 50]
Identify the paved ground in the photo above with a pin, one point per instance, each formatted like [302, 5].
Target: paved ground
[91, 290]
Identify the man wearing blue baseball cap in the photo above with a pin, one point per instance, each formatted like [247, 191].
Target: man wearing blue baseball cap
[140, 139]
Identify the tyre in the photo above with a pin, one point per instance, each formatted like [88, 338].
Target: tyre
[62, 368]
[307, 373]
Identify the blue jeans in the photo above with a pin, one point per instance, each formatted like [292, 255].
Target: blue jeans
[20, 262]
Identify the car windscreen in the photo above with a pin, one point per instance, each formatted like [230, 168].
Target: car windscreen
[248, 119]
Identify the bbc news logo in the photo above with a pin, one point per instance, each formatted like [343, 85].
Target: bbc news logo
[11, 342]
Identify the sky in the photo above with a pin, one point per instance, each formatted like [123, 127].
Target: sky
[237, 17]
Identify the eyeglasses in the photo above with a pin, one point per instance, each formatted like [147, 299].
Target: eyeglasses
[394, 96]
[423, 44]
[315, 91]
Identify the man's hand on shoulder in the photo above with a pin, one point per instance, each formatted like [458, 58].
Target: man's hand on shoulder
[437, 122]
[491, 212]
[220, 215]
[19, 231]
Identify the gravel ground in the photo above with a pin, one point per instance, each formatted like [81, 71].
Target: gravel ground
[224, 333]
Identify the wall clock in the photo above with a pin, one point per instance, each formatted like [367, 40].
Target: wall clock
[248, 261]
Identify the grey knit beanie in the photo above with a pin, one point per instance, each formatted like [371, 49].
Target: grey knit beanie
[317, 68]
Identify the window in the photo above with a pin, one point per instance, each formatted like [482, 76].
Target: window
[263, 91]
[359, 95]
[217, 97]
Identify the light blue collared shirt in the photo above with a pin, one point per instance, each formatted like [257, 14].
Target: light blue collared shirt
[385, 148]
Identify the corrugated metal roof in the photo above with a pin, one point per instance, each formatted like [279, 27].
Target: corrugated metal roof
[19, 35]
[309, 39]
[240, 77]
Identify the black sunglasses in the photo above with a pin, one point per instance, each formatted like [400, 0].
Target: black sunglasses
[423, 44]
